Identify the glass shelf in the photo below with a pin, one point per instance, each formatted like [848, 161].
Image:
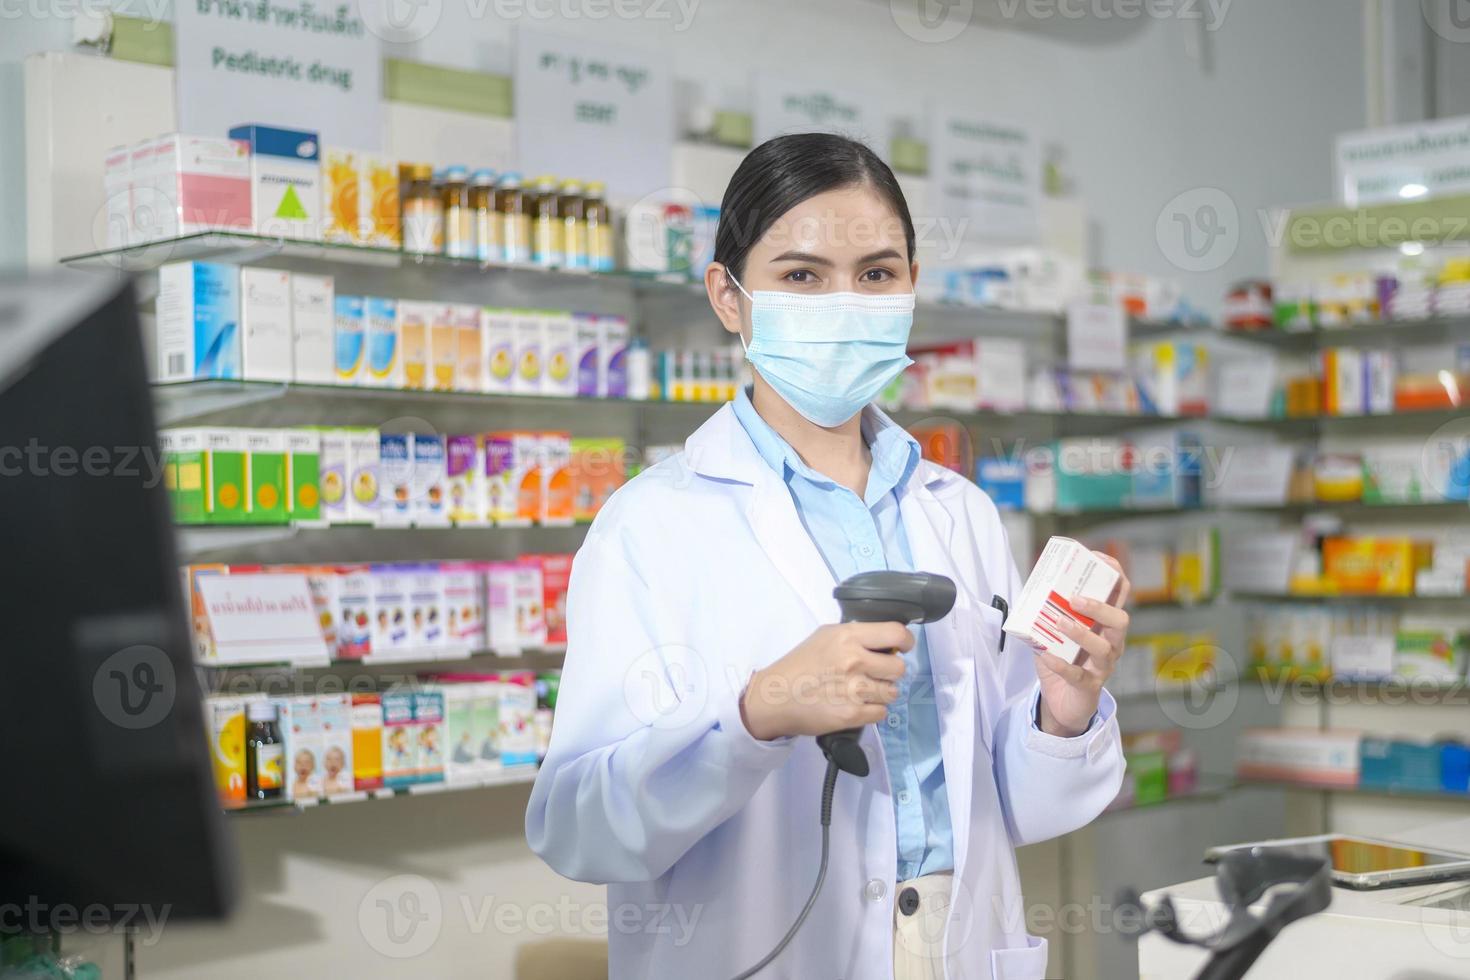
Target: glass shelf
[1355, 599]
[1308, 787]
[510, 776]
[1376, 331]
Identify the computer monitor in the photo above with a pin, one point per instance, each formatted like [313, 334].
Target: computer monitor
[107, 802]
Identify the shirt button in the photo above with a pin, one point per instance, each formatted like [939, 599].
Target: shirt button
[874, 890]
[904, 796]
[865, 550]
[893, 720]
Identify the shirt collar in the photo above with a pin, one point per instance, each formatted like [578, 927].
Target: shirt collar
[895, 452]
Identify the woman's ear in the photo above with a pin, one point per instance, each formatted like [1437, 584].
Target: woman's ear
[914, 274]
[724, 297]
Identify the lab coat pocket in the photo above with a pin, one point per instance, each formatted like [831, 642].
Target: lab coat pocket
[1022, 963]
[984, 632]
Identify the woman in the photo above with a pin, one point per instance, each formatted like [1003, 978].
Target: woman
[703, 646]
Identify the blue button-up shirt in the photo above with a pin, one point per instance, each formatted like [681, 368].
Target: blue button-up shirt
[862, 534]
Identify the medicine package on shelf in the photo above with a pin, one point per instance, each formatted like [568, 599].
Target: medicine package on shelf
[1066, 569]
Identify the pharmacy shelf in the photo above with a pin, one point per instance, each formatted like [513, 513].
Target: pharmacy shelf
[401, 661]
[1440, 796]
[1425, 331]
[510, 776]
[1208, 789]
[1447, 601]
[349, 543]
[186, 402]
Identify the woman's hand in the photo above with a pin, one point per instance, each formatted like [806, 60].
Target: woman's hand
[842, 676]
[1070, 692]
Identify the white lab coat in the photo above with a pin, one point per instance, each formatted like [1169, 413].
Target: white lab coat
[697, 573]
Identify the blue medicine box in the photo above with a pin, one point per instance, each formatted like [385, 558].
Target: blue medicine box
[1391, 764]
[1004, 480]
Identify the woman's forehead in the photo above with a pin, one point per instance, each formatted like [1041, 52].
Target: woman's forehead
[855, 220]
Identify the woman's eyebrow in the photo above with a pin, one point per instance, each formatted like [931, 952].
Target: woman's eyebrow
[887, 253]
[806, 257]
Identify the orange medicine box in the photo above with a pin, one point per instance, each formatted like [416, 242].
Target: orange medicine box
[367, 741]
[1371, 566]
[555, 460]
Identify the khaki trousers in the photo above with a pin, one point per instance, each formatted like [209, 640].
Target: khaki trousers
[918, 936]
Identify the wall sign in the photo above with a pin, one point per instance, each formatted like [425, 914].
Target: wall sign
[785, 105]
[1400, 163]
[281, 64]
[987, 173]
[594, 111]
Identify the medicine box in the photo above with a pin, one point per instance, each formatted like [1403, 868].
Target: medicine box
[517, 719]
[1167, 470]
[559, 377]
[226, 500]
[498, 333]
[349, 340]
[382, 333]
[336, 720]
[378, 200]
[183, 473]
[597, 469]
[301, 728]
[390, 612]
[362, 476]
[285, 181]
[354, 611]
[464, 604]
[265, 466]
[1398, 764]
[367, 742]
[395, 479]
[443, 347]
[528, 350]
[1322, 758]
[585, 327]
[556, 575]
[426, 609]
[513, 488]
[612, 357]
[1003, 480]
[198, 321]
[198, 184]
[555, 462]
[313, 330]
[227, 749]
[462, 757]
[515, 618]
[429, 493]
[428, 717]
[1172, 378]
[464, 475]
[1066, 569]
[469, 371]
[342, 186]
[485, 722]
[400, 746]
[303, 476]
[413, 343]
[266, 340]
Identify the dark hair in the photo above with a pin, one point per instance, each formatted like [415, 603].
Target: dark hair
[781, 173]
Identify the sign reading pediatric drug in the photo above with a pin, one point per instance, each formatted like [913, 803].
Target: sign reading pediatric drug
[1403, 163]
[262, 619]
[594, 111]
[987, 173]
[278, 63]
[788, 105]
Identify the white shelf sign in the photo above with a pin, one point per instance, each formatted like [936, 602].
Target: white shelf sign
[278, 64]
[1097, 337]
[594, 111]
[986, 173]
[788, 105]
[1404, 163]
[265, 618]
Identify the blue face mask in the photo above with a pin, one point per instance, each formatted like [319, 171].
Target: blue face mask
[828, 354]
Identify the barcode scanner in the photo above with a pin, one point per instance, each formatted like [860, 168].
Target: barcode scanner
[868, 597]
[883, 597]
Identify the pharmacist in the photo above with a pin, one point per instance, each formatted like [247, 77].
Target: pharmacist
[702, 652]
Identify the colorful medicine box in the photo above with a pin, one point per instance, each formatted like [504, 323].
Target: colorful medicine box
[193, 185]
[265, 465]
[382, 333]
[367, 742]
[198, 321]
[400, 746]
[498, 344]
[1066, 569]
[285, 181]
[349, 341]
[464, 475]
[303, 475]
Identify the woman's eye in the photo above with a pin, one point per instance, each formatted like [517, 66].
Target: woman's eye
[799, 275]
[877, 275]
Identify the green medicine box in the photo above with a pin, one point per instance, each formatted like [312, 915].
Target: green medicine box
[204, 471]
[265, 476]
[183, 473]
[303, 475]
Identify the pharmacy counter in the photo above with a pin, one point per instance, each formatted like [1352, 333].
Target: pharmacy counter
[1390, 934]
